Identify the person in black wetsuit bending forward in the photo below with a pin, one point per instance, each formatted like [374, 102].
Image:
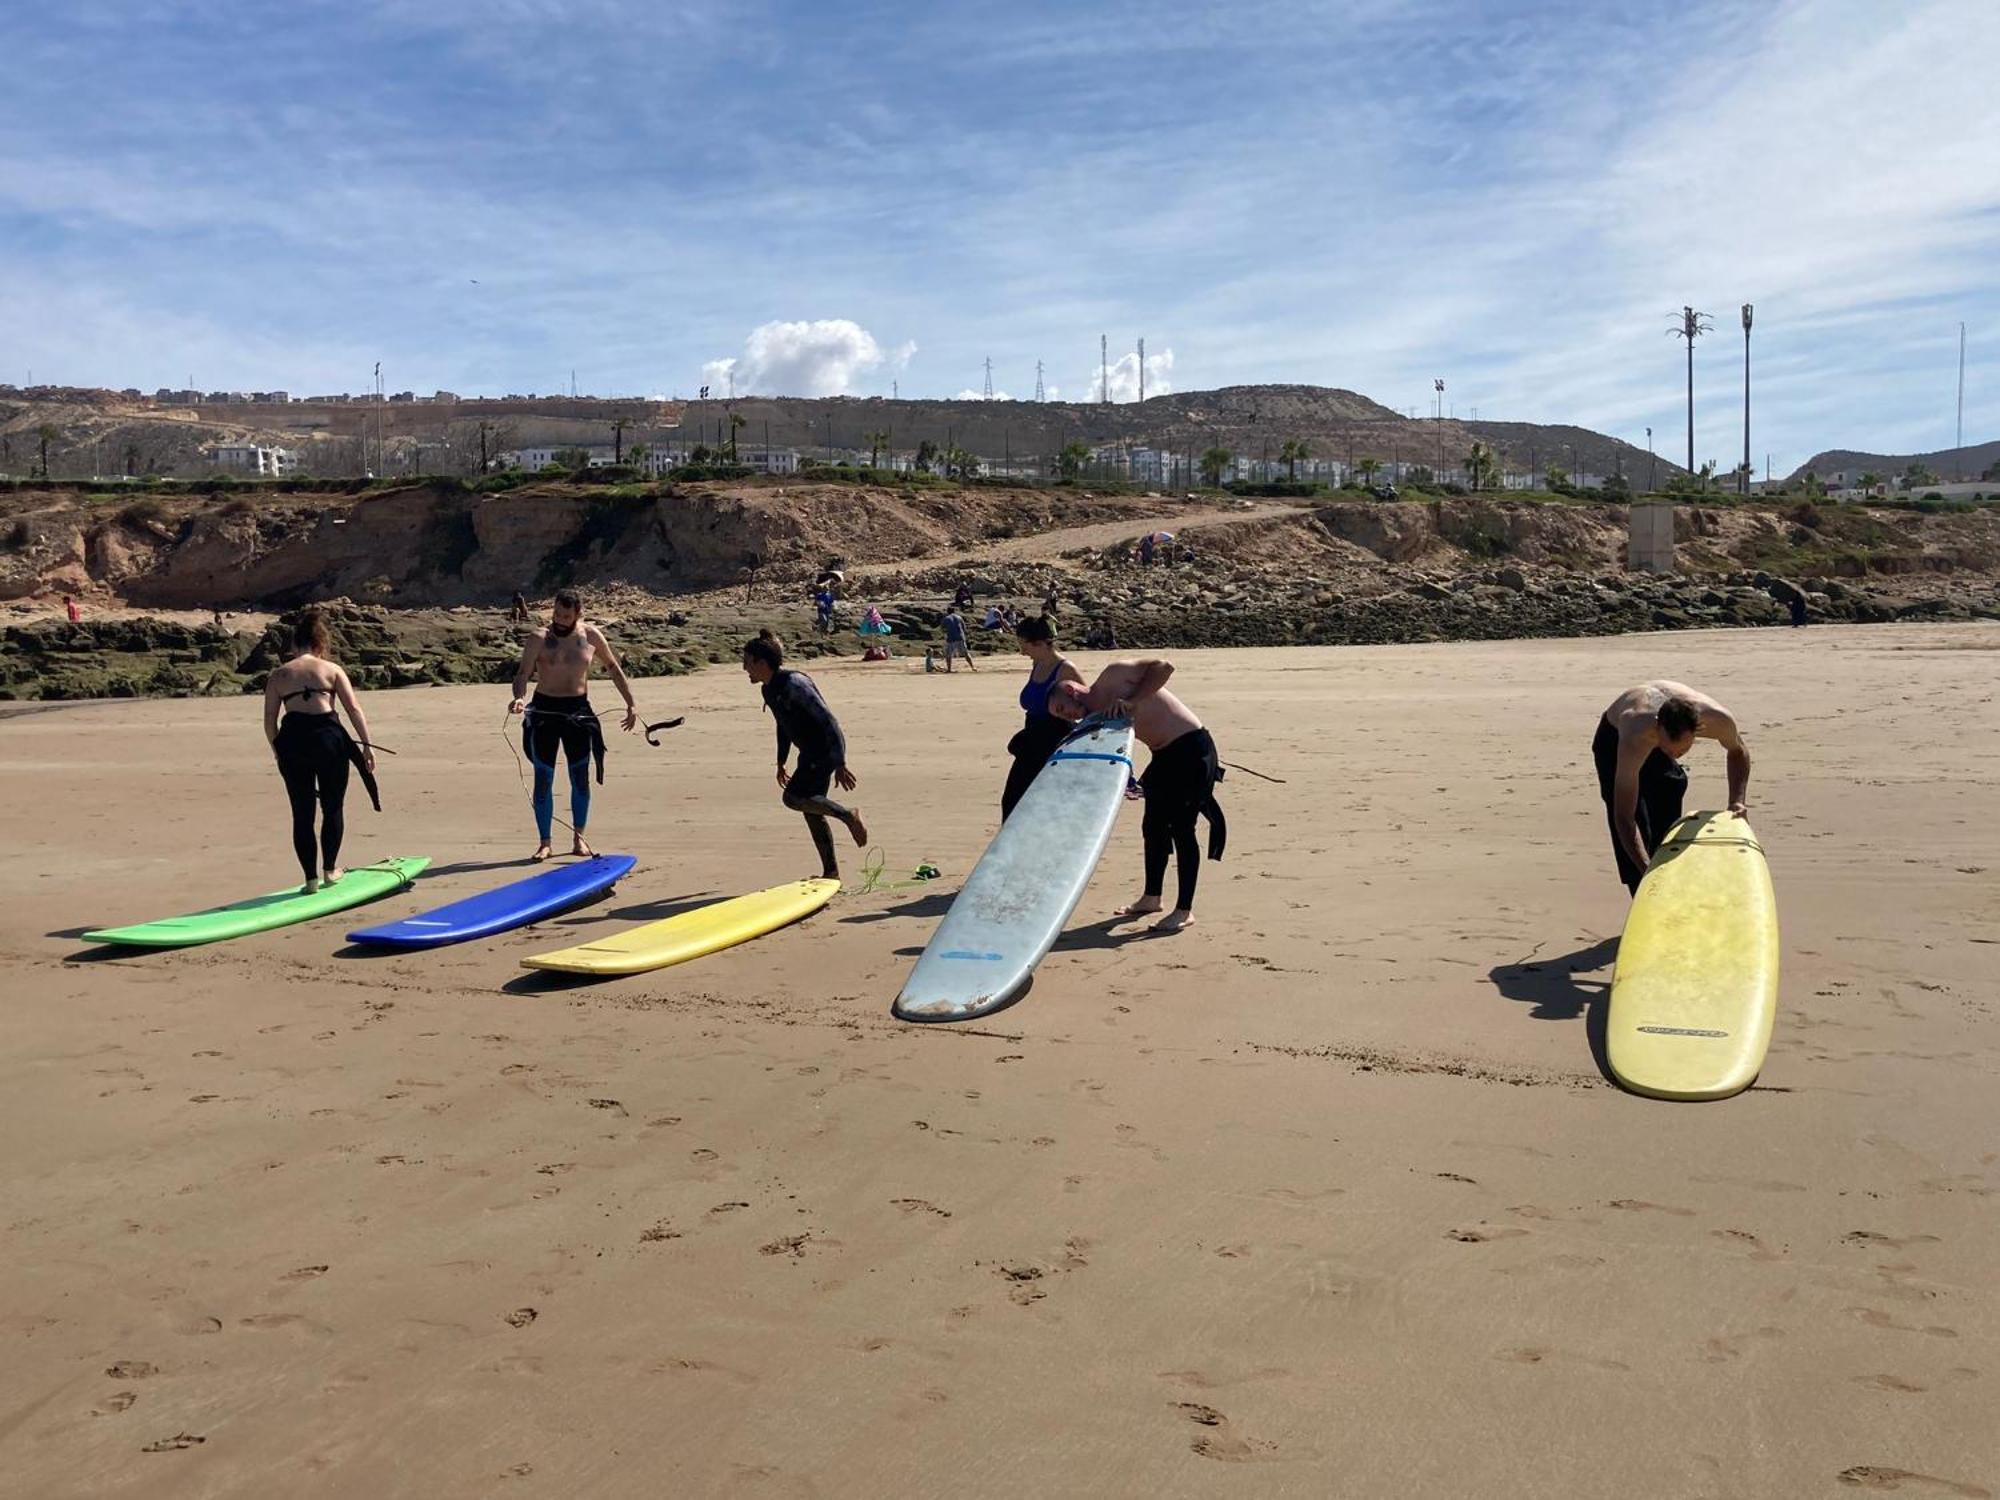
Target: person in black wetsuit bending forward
[1640, 741]
[803, 719]
[1179, 782]
[313, 751]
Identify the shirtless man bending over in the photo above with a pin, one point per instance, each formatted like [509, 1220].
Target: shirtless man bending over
[558, 659]
[1638, 749]
[1179, 782]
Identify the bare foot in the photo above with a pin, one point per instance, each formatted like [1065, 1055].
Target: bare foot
[858, 828]
[1174, 921]
[582, 850]
[542, 852]
[333, 877]
[309, 887]
[1145, 906]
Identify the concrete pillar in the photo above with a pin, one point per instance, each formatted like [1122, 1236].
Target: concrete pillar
[1652, 539]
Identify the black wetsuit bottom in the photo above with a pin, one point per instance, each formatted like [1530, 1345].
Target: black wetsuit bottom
[1662, 788]
[313, 758]
[806, 793]
[1179, 783]
[1031, 749]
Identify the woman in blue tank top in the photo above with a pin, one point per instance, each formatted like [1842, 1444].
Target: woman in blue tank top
[1042, 731]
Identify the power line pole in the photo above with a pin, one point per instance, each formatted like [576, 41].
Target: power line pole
[1960, 444]
[989, 378]
[1039, 396]
[1743, 480]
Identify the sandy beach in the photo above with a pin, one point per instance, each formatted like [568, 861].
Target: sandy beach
[1326, 1196]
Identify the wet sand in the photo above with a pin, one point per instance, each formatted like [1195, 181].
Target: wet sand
[1325, 1196]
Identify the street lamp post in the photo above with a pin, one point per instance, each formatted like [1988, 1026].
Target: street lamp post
[1743, 478]
[1439, 476]
[1652, 465]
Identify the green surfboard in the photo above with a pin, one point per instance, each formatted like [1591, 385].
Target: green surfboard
[261, 913]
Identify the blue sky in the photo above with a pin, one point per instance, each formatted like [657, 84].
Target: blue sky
[485, 194]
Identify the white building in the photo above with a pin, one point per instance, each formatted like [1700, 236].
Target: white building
[271, 463]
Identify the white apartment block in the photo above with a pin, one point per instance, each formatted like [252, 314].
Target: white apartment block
[270, 463]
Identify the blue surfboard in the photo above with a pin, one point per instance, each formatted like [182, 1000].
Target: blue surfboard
[505, 907]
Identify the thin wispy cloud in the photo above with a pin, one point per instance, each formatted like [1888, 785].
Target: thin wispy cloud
[1509, 196]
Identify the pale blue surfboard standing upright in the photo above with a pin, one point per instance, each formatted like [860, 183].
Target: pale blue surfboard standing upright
[1017, 898]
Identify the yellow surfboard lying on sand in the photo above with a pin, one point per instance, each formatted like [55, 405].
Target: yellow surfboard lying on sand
[1695, 992]
[691, 934]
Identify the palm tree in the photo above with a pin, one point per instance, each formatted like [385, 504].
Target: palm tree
[1479, 466]
[618, 440]
[1368, 468]
[1213, 462]
[1289, 455]
[45, 434]
[877, 441]
[737, 421]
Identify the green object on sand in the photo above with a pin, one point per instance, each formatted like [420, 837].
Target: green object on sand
[261, 913]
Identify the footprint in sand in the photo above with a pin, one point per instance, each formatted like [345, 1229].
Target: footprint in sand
[1757, 1248]
[521, 1317]
[1878, 1477]
[1868, 1238]
[1220, 1441]
[174, 1444]
[114, 1403]
[304, 1273]
[1888, 1383]
[1875, 1318]
[131, 1369]
[1482, 1234]
[1639, 1205]
[919, 1206]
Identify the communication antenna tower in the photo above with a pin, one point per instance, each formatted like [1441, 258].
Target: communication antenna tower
[1142, 370]
[1039, 396]
[1104, 368]
[989, 377]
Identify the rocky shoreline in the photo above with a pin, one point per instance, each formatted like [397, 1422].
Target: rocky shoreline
[1175, 608]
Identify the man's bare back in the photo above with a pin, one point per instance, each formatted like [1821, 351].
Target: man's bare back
[1128, 690]
[1635, 713]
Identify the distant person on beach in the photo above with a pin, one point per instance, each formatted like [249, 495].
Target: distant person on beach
[1179, 782]
[955, 643]
[517, 612]
[823, 608]
[992, 620]
[558, 660]
[1041, 731]
[1146, 550]
[804, 720]
[313, 750]
[1638, 749]
[70, 609]
[1050, 605]
[963, 598]
[1797, 605]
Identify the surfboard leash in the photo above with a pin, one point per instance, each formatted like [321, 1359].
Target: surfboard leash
[872, 867]
[1248, 772]
[521, 773]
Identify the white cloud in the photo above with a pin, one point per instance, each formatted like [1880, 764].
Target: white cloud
[1124, 377]
[819, 358]
[971, 395]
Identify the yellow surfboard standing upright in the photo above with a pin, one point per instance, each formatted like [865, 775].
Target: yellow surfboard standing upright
[691, 934]
[1695, 992]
